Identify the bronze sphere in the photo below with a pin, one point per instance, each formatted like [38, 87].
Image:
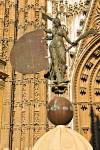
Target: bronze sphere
[60, 111]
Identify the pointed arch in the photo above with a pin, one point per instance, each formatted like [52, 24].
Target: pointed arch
[86, 85]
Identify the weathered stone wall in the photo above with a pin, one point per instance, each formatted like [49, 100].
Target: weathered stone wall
[24, 100]
[86, 76]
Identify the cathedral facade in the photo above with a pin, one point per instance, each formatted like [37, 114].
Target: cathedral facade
[23, 98]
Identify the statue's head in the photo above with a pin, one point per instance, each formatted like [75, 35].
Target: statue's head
[56, 22]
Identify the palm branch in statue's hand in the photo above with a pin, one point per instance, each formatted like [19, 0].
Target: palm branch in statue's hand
[84, 35]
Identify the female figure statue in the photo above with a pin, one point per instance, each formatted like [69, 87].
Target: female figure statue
[57, 52]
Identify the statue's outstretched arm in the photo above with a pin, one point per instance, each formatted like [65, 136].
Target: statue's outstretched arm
[68, 40]
[65, 34]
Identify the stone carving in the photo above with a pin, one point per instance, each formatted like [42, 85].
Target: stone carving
[24, 116]
[88, 74]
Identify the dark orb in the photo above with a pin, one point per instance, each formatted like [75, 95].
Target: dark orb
[60, 111]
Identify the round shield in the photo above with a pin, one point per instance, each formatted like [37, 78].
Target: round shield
[28, 55]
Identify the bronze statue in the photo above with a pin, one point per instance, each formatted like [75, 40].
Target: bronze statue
[57, 52]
